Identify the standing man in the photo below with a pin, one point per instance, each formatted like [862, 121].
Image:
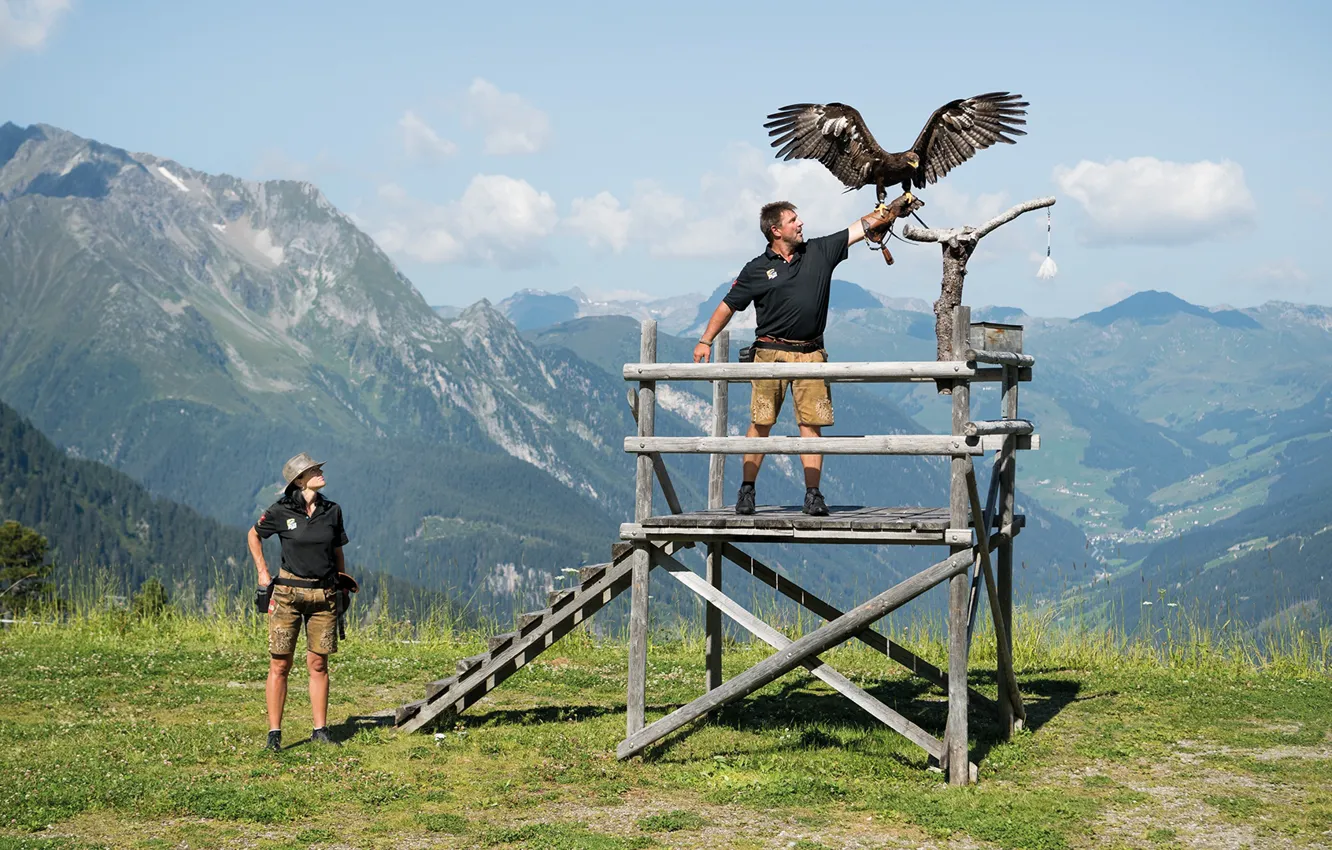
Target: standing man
[789, 285]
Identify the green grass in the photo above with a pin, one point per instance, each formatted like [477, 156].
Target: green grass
[130, 733]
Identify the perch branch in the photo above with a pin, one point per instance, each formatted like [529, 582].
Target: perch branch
[934, 234]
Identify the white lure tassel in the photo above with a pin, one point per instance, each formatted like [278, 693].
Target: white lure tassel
[1048, 268]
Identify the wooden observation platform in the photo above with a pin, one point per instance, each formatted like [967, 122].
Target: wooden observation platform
[972, 532]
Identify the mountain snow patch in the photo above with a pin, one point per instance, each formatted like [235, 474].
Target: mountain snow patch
[179, 184]
[263, 242]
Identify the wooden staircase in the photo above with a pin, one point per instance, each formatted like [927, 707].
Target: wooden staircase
[478, 675]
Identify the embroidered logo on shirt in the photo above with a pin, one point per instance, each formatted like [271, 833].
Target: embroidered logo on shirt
[291, 523]
[772, 274]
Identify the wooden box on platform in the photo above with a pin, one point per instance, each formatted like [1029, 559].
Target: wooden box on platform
[996, 336]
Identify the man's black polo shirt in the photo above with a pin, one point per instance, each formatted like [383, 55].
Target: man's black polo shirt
[307, 542]
[791, 299]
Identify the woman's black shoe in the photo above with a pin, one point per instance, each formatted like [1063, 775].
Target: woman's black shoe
[274, 742]
[320, 736]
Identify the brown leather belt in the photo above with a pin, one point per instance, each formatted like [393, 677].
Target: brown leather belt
[776, 343]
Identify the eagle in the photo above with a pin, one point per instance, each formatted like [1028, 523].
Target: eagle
[836, 135]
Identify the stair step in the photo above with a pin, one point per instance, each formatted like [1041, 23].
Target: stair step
[498, 642]
[470, 663]
[557, 599]
[439, 686]
[619, 550]
[590, 574]
[403, 713]
[529, 621]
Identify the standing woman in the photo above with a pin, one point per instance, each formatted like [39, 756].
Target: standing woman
[305, 591]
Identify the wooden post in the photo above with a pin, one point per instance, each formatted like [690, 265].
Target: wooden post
[636, 702]
[959, 502]
[1007, 498]
[712, 621]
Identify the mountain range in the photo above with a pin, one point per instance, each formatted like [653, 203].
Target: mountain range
[195, 330]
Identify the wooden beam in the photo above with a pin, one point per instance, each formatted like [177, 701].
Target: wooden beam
[886, 372]
[892, 444]
[636, 697]
[1006, 358]
[955, 736]
[713, 637]
[820, 640]
[871, 638]
[1007, 503]
[998, 426]
[636, 531]
[821, 671]
[1006, 671]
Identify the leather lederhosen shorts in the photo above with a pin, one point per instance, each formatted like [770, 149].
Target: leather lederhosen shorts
[292, 607]
[813, 398]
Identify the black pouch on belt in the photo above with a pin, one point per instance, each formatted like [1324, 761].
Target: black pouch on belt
[262, 595]
[747, 354]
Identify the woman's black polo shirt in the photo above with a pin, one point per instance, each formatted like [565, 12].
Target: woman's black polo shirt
[307, 542]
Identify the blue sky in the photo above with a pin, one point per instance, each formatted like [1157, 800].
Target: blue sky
[495, 147]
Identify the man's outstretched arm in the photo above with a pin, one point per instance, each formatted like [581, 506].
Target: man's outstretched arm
[720, 317]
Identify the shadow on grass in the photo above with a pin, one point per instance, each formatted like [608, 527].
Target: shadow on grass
[796, 704]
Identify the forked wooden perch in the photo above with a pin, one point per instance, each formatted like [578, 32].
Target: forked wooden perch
[958, 244]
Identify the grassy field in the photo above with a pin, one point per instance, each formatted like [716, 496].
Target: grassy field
[120, 733]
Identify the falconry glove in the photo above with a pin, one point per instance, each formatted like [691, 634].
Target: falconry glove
[879, 223]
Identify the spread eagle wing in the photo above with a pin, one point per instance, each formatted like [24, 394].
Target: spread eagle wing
[959, 128]
[832, 133]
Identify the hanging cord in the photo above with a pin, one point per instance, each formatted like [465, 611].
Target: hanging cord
[1048, 268]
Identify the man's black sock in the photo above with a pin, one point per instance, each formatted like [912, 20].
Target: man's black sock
[749, 484]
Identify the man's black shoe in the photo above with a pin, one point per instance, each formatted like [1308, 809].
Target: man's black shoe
[274, 742]
[320, 736]
[744, 501]
[814, 505]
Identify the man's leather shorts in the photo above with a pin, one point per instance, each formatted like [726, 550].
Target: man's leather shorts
[813, 398]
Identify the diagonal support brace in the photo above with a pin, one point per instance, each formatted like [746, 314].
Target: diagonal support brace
[871, 638]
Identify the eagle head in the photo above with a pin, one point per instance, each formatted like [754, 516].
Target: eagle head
[913, 160]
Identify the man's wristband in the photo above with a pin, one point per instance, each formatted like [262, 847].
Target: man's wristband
[705, 342]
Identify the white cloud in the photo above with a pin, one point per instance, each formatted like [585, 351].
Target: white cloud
[1284, 270]
[26, 24]
[420, 141]
[1148, 200]
[511, 124]
[721, 219]
[499, 220]
[601, 220]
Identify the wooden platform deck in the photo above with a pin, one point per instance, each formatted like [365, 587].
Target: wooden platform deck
[788, 524]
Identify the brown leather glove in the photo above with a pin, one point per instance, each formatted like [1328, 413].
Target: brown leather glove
[877, 222]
